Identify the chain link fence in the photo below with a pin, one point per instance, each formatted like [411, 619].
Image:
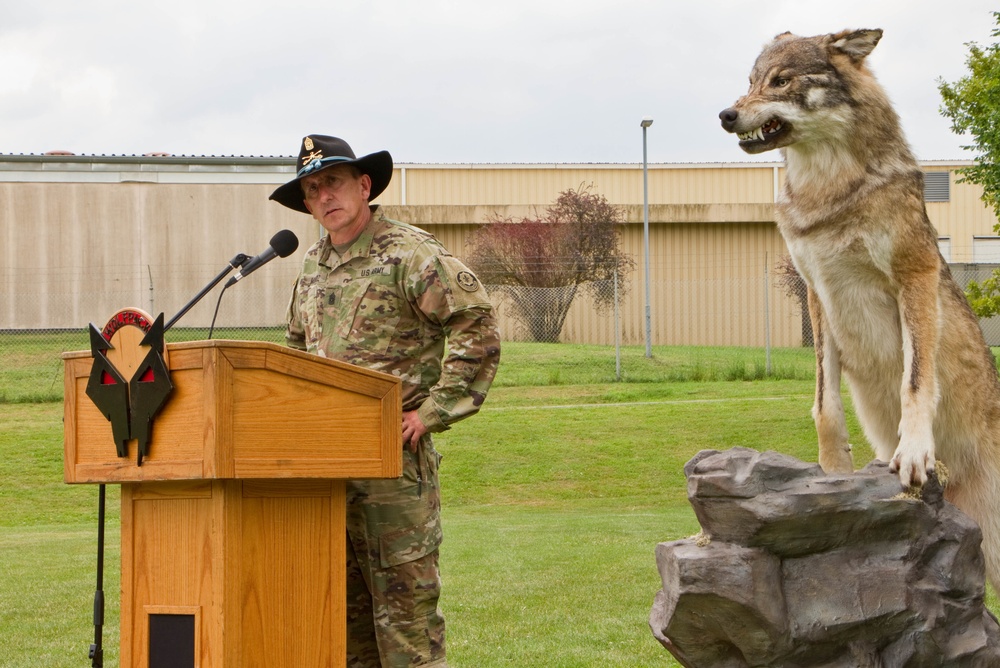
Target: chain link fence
[588, 333]
[595, 332]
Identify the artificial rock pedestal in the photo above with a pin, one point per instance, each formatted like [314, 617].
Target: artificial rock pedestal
[798, 569]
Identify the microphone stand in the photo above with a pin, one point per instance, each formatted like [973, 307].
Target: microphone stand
[96, 653]
[97, 648]
[237, 261]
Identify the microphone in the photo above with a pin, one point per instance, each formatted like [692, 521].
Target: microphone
[283, 244]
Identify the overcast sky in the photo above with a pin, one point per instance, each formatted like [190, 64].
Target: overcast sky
[535, 81]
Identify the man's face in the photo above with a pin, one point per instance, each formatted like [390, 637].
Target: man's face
[337, 197]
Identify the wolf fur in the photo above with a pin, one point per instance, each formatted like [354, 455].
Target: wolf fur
[886, 312]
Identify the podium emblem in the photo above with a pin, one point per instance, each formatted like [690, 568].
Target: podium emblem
[129, 381]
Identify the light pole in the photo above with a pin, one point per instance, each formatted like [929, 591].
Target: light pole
[646, 122]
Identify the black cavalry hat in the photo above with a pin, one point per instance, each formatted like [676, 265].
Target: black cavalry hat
[319, 152]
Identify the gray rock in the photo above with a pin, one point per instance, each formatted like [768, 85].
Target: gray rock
[797, 569]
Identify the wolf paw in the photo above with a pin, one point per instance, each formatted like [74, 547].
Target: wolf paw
[912, 465]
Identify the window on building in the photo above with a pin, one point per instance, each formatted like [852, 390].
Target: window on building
[937, 186]
[944, 245]
[986, 250]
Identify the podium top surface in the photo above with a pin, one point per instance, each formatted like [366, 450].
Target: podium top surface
[243, 409]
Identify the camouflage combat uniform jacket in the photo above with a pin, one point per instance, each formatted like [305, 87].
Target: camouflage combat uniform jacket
[388, 304]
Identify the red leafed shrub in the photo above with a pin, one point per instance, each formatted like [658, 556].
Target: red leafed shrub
[540, 264]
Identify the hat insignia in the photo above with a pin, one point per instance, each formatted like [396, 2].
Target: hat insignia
[314, 156]
[307, 143]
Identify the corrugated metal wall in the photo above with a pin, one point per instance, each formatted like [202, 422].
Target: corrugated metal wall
[75, 251]
[962, 218]
[501, 185]
[710, 284]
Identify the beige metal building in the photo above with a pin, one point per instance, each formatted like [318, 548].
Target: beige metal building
[83, 236]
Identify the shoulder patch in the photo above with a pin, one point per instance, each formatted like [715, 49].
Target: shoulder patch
[467, 281]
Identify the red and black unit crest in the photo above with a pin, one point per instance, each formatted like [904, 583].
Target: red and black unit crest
[129, 381]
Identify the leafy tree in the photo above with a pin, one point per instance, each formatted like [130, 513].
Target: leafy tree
[541, 264]
[984, 298]
[973, 105]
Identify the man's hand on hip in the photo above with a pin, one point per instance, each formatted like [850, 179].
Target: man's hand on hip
[413, 429]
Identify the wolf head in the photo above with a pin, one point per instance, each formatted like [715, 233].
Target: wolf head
[805, 89]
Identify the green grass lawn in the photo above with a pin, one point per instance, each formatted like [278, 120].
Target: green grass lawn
[552, 510]
[31, 369]
[554, 497]
[48, 547]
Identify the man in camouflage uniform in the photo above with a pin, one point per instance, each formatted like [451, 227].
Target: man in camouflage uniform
[386, 296]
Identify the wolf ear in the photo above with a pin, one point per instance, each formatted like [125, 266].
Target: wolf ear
[779, 38]
[856, 44]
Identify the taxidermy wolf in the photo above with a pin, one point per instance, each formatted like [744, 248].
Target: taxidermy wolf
[885, 309]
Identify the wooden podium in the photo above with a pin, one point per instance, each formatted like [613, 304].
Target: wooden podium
[233, 528]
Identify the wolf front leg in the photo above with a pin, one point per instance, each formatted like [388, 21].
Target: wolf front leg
[918, 314]
[828, 409]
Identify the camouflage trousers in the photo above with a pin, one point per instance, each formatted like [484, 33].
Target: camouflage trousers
[393, 585]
